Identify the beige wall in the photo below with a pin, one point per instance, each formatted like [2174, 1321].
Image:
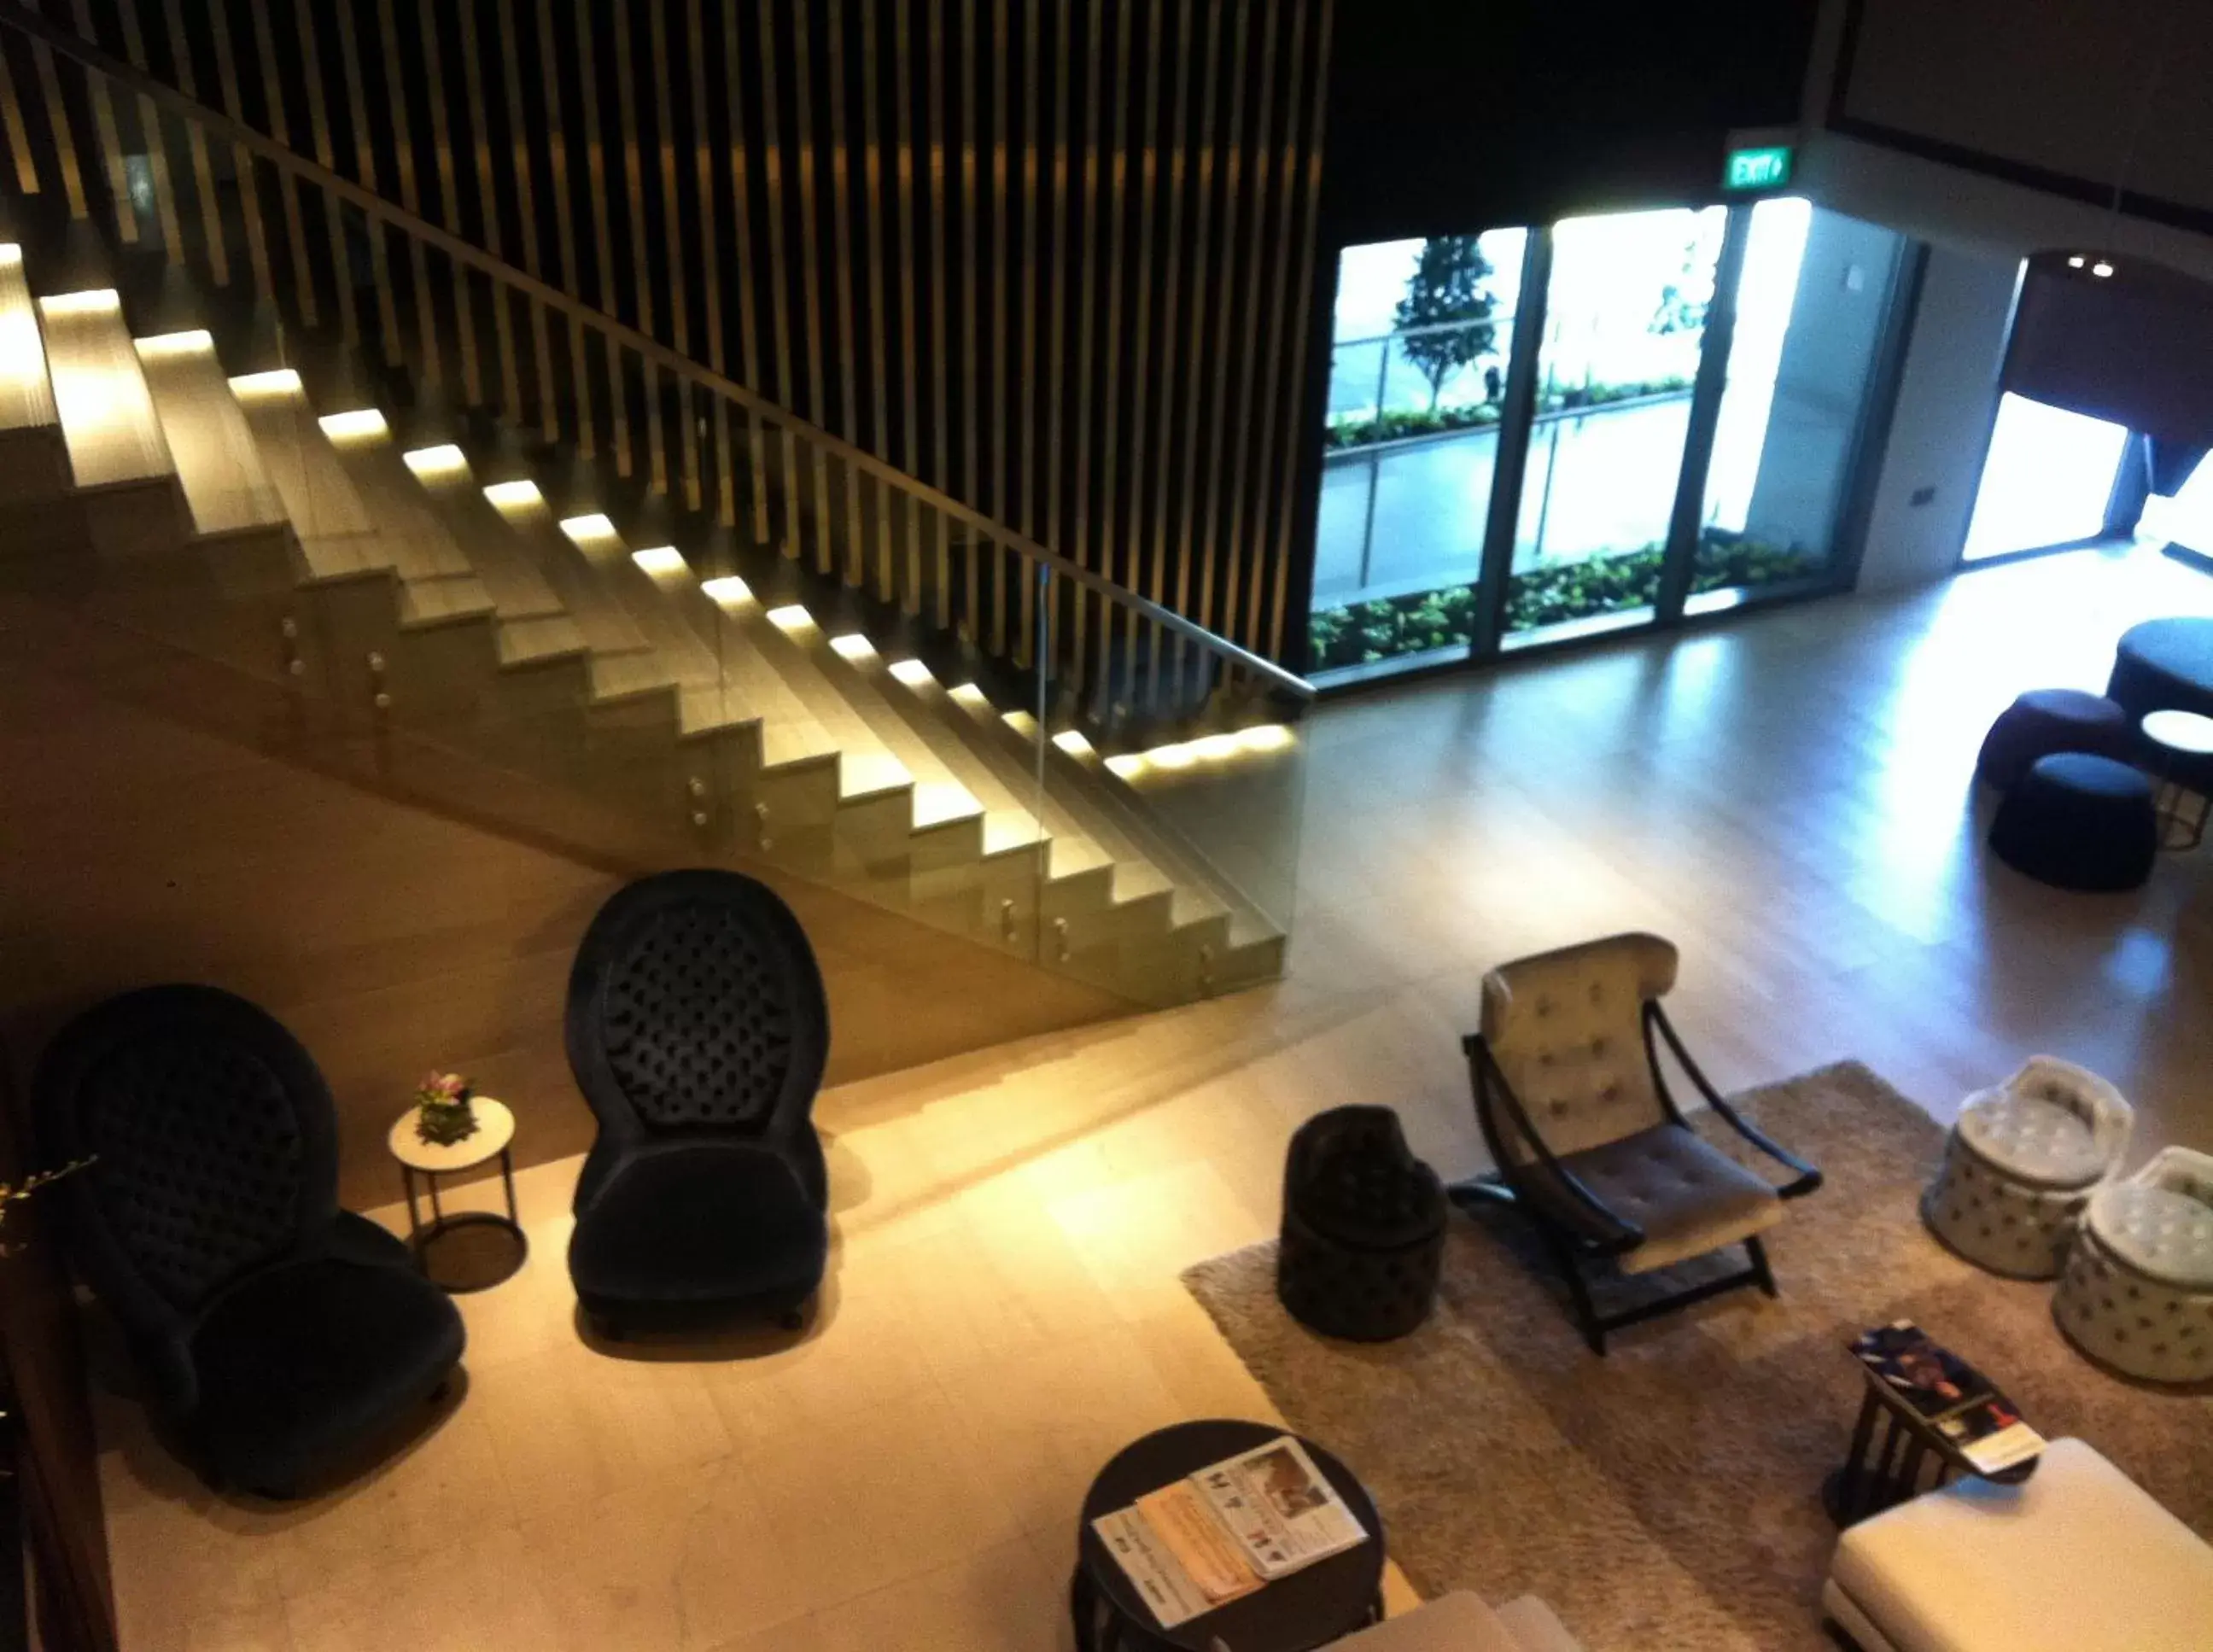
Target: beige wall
[388, 937]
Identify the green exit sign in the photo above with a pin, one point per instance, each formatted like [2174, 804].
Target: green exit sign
[1764, 168]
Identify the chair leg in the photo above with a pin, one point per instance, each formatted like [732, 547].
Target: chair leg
[1758, 1253]
[1586, 1312]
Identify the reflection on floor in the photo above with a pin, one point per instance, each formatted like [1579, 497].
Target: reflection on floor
[1787, 796]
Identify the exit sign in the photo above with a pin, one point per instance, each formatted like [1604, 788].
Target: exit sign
[1761, 168]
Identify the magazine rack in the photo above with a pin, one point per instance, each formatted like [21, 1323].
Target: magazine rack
[1876, 1477]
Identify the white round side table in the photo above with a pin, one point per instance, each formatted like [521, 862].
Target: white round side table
[2183, 742]
[470, 1250]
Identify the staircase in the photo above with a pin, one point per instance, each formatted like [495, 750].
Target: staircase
[404, 566]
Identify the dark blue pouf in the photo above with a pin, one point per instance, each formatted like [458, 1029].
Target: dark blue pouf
[2077, 821]
[2048, 720]
[2163, 664]
[1363, 1234]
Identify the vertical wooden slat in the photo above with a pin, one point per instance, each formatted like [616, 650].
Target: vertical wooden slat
[941, 365]
[50, 89]
[910, 372]
[450, 215]
[18, 136]
[878, 355]
[1026, 410]
[1193, 378]
[998, 505]
[810, 262]
[702, 158]
[1141, 346]
[557, 155]
[218, 253]
[679, 324]
[526, 205]
[1110, 551]
[741, 214]
[1165, 427]
[1080, 543]
[642, 263]
[365, 169]
[288, 186]
[403, 157]
[318, 122]
[1239, 494]
[1053, 536]
[595, 183]
[111, 140]
[1267, 568]
[65, 143]
[849, 340]
[249, 192]
[1225, 317]
[1286, 511]
[972, 345]
[778, 270]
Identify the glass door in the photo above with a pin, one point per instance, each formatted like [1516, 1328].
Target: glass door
[1625, 324]
[1814, 308]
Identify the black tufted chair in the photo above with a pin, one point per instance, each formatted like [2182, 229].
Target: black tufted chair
[698, 1032]
[277, 1332]
[1364, 1232]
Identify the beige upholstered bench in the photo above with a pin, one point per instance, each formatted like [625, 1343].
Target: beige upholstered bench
[2076, 1558]
[1459, 1622]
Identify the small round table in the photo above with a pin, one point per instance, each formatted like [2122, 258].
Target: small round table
[470, 1250]
[1310, 1608]
[2183, 743]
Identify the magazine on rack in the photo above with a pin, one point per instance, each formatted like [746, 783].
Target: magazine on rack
[1963, 1404]
[1217, 1535]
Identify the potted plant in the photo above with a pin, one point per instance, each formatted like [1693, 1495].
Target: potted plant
[444, 1117]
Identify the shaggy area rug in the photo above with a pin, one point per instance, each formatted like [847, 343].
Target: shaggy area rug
[1667, 1496]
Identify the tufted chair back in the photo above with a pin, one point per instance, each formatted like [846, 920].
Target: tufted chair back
[1567, 1030]
[695, 1006]
[215, 1146]
[2093, 1100]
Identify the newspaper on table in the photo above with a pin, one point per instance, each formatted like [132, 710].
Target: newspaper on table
[1958, 1400]
[1217, 1535]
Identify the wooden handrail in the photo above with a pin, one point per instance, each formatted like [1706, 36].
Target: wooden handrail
[14, 14]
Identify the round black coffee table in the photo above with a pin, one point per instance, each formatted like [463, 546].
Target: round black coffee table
[1310, 1608]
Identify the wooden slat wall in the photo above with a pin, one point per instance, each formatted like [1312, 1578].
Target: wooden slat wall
[1054, 257]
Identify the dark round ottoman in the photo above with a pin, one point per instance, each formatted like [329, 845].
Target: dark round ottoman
[1363, 1227]
[2048, 720]
[2077, 821]
[2163, 664]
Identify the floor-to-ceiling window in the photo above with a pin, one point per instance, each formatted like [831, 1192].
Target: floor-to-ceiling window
[1615, 478]
[1424, 332]
[1625, 321]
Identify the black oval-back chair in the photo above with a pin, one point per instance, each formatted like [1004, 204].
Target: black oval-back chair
[278, 1334]
[698, 1032]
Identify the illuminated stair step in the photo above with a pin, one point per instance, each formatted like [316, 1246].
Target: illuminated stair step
[27, 395]
[228, 488]
[337, 535]
[107, 418]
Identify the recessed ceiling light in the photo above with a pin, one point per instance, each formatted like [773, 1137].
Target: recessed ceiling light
[2075, 263]
[2102, 269]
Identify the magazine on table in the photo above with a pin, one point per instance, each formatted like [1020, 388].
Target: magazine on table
[1958, 1401]
[1235, 1527]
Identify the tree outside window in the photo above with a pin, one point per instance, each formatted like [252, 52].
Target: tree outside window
[1448, 286]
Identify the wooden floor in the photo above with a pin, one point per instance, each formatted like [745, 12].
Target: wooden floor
[1787, 796]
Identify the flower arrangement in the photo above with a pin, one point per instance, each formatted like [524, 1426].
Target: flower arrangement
[442, 1114]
